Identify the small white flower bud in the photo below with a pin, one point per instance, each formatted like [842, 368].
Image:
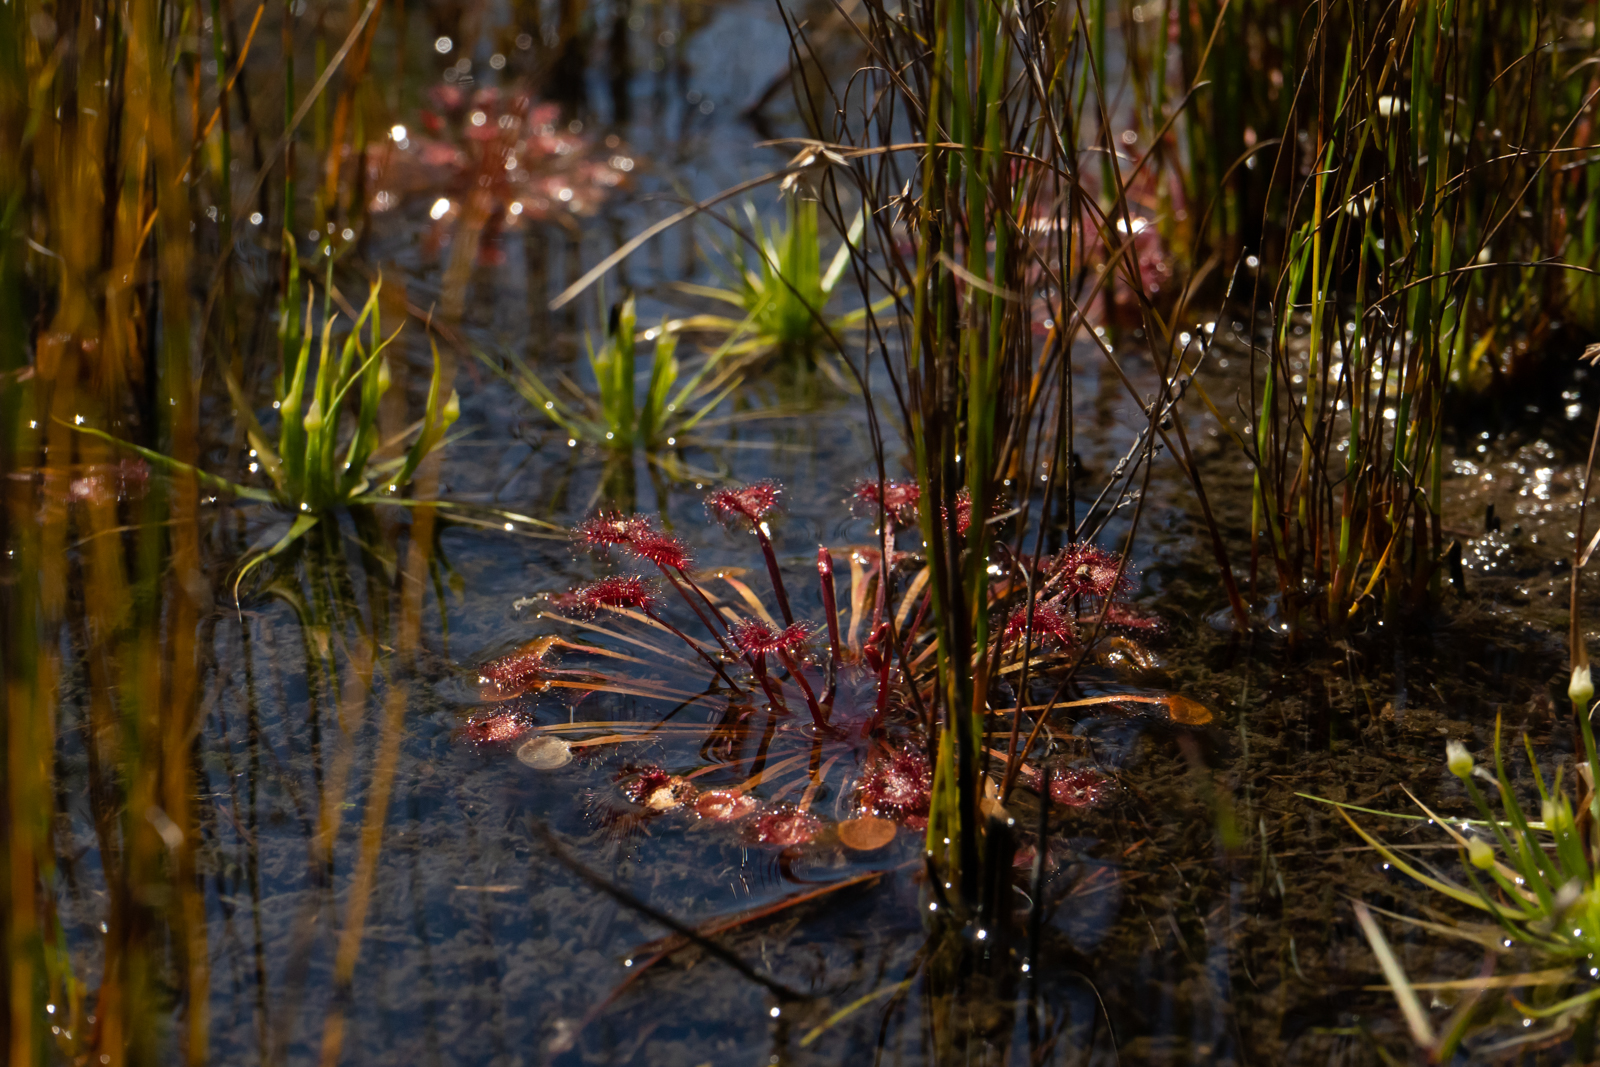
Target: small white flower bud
[1481, 855]
[1458, 760]
[1581, 689]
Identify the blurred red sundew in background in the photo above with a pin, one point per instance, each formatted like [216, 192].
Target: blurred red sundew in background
[899, 499]
[508, 151]
[1123, 617]
[102, 483]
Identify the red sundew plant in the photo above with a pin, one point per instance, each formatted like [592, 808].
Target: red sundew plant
[897, 786]
[752, 504]
[1078, 787]
[963, 511]
[497, 727]
[1050, 625]
[1088, 570]
[897, 499]
[495, 160]
[513, 675]
[868, 691]
[786, 827]
[664, 550]
[757, 640]
[724, 805]
[622, 591]
[605, 530]
[638, 784]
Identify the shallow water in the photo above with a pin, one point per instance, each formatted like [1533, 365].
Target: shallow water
[1200, 912]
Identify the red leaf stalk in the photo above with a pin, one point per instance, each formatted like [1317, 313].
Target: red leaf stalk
[830, 607]
[703, 653]
[775, 574]
[752, 504]
[817, 716]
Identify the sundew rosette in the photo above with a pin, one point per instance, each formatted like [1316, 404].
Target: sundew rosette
[794, 715]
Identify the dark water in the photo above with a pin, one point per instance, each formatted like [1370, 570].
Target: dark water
[1199, 913]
